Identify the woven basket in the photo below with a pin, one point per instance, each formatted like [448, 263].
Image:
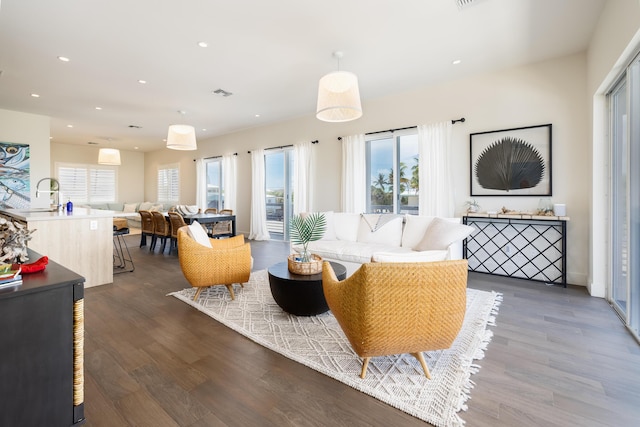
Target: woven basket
[305, 268]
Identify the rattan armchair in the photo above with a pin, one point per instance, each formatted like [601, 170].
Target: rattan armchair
[395, 308]
[228, 261]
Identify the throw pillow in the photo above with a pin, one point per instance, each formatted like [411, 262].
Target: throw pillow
[346, 225]
[129, 207]
[156, 208]
[198, 234]
[427, 256]
[414, 228]
[442, 233]
[145, 206]
[330, 231]
[389, 234]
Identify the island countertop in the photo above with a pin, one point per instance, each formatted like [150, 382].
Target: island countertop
[36, 214]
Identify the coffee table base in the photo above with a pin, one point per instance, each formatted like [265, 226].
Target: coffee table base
[298, 294]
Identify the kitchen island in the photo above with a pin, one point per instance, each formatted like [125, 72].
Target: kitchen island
[81, 240]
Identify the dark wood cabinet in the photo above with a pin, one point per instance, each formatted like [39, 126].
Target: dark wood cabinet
[41, 349]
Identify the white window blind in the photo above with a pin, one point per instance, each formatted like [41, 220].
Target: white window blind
[169, 183]
[87, 183]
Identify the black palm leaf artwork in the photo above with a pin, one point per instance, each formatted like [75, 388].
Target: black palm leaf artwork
[509, 164]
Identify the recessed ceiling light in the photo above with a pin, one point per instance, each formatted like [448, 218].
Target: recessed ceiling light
[69, 126]
[63, 58]
[98, 108]
[257, 115]
[456, 62]
[142, 82]
[204, 130]
[35, 95]
[203, 44]
[135, 148]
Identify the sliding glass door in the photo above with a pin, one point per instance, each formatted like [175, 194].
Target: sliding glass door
[279, 191]
[624, 103]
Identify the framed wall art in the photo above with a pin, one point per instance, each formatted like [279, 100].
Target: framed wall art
[15, 188]
[511, 162]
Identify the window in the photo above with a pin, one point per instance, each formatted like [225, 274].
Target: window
[82, 183]
[215, 183]
[391, 155]
[169, 183]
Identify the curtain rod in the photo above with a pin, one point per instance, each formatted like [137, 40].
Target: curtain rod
[453, 122]
[282, 146]
[213, 157]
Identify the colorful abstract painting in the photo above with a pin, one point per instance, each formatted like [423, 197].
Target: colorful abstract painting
[15, 187]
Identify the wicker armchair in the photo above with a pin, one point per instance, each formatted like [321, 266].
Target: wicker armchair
[394, 308]
[226, 263]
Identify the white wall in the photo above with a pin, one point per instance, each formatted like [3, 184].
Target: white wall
[130, 172]
[29, 129]
[548, 92]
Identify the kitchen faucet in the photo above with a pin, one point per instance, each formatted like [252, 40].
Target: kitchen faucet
[54, 188]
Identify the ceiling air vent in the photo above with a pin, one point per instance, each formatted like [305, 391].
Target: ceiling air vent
[135, 127]
[222, 92]
[463, 3]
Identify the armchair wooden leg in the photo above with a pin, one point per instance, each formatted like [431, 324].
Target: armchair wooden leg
[365, 364]
[230, 287]
[420, 358]
[195, 297]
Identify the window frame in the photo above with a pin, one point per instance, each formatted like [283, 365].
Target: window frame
[91, 194]
[170, 192]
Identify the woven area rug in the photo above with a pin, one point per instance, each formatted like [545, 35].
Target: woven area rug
[319, 343]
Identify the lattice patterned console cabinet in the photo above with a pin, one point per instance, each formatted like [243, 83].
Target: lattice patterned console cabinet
[524, 246]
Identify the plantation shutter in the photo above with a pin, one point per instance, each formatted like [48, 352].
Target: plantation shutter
[169, 183]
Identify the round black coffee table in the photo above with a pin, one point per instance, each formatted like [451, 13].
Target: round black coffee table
[298, 294]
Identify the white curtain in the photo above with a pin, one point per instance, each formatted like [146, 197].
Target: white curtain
[354, 174]
[436, 180]
[201, 185]
[302, 178]
[230, 171]
[258, 227]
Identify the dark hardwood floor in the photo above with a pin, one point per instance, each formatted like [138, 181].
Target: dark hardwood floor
[558, 358]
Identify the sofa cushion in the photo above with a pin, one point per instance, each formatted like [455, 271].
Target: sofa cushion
[145, 206]
[441, 233]
[414, 228]
[351, 251]
[118, 207]
[380, 228]
[330, 230]
[425, 256]
[129, 207]
[198, 234]
[346, 226]
[157, 208]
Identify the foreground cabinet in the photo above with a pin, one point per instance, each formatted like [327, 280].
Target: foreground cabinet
[41, 349]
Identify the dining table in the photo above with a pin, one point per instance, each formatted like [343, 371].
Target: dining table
[208, 218]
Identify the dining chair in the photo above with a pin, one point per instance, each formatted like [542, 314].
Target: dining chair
[177, 221]
[222, 227]
[161, 230]
[146, 226]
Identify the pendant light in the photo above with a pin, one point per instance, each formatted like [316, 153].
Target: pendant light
[338, 96]
[109, 156]
[181, 137]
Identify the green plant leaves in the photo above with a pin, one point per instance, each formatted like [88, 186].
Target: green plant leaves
[307, 229]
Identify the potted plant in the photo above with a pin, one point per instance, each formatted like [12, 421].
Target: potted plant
[302, 230]
[472, 206]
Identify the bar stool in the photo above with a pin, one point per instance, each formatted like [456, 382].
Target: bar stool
[121, 263]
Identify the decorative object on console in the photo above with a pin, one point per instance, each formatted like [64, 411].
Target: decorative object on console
[13, 241]
[472, 206]
[560, 209]
[302, 230]
[511, 162]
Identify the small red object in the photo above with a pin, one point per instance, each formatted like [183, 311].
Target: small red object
[33, 267]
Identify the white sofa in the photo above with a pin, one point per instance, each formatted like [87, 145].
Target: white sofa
[354, 239]
[129, 210]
